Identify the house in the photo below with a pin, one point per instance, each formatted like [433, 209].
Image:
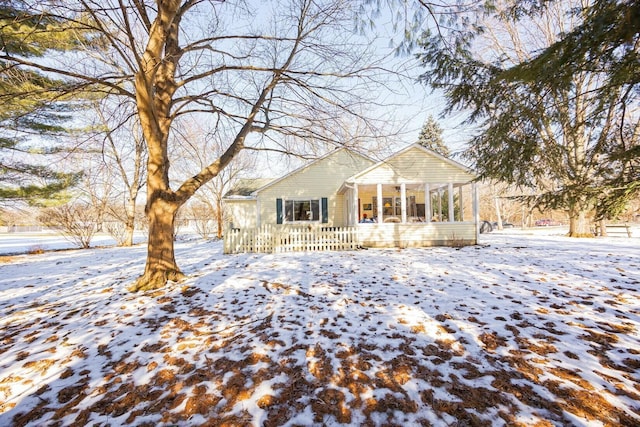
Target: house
[415, 197]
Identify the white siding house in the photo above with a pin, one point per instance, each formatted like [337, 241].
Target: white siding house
[416, 197]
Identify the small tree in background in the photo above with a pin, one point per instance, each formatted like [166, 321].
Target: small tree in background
[76, 222]
[431, 137]
[123, 157]
[116, 229]
[203, 218]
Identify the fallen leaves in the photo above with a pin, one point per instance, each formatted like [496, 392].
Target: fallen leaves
[412, 343]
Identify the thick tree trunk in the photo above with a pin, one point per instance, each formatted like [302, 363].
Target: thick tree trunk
[155, 86]
[578, 223]
[161, 264]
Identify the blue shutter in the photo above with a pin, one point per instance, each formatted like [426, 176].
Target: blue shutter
[325, 210]
[279, 216]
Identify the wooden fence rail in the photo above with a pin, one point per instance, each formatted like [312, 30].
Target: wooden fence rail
[270, 238]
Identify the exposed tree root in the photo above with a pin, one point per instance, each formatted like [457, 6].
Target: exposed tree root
[150, 281]
[580, 235]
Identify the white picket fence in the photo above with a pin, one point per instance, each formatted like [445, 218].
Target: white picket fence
[275, 238]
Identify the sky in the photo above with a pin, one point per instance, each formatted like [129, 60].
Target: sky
[405, 103]
[409, 102]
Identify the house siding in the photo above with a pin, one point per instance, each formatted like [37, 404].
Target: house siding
[242, 212]
[320, 179]
[417, 235]
[414, 165]
[339, 211]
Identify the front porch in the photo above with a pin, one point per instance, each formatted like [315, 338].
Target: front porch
[425, 211]
[410, 202]
[409, 214]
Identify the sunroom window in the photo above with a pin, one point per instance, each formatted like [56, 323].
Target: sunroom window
[302, 210]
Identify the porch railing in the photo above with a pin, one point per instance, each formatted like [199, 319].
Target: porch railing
[273, 238]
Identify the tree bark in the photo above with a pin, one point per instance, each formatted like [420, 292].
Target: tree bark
[496, 201]
[161, 263]
[155, 86]
[603, 228]
[129, 221]
[219, 214]
[578, 223]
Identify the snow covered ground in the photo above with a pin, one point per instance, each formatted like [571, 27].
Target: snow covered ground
[525, 329]
[17, 243]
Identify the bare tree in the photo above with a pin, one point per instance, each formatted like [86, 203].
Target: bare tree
[282, 78]
[202, 217]
[113, 155]
[124, 153]
[96, 185]
[75, 221]
[199, 148]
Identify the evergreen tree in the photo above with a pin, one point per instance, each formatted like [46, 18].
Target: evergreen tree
[431, 137]
[607, 43]
[28, 110]
[286, 82]
[555, 128]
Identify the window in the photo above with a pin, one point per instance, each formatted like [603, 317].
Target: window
[302, 210]
[387, 206]
[391, 206]
[310, 210]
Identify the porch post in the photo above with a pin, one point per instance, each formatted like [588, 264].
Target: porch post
[427, 202]
[354, 207]
[403, 202]
[476, 210]
[461, 201]
[450, 194]
[379, 197]
[440, 204]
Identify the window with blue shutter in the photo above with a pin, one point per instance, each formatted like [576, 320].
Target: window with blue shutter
[302, 210]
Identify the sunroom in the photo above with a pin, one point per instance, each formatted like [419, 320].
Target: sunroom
[415, 198]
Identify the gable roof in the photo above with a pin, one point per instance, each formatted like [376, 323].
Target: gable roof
[414, 146]
[249, 188]
[308, 165]
[245, 187]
